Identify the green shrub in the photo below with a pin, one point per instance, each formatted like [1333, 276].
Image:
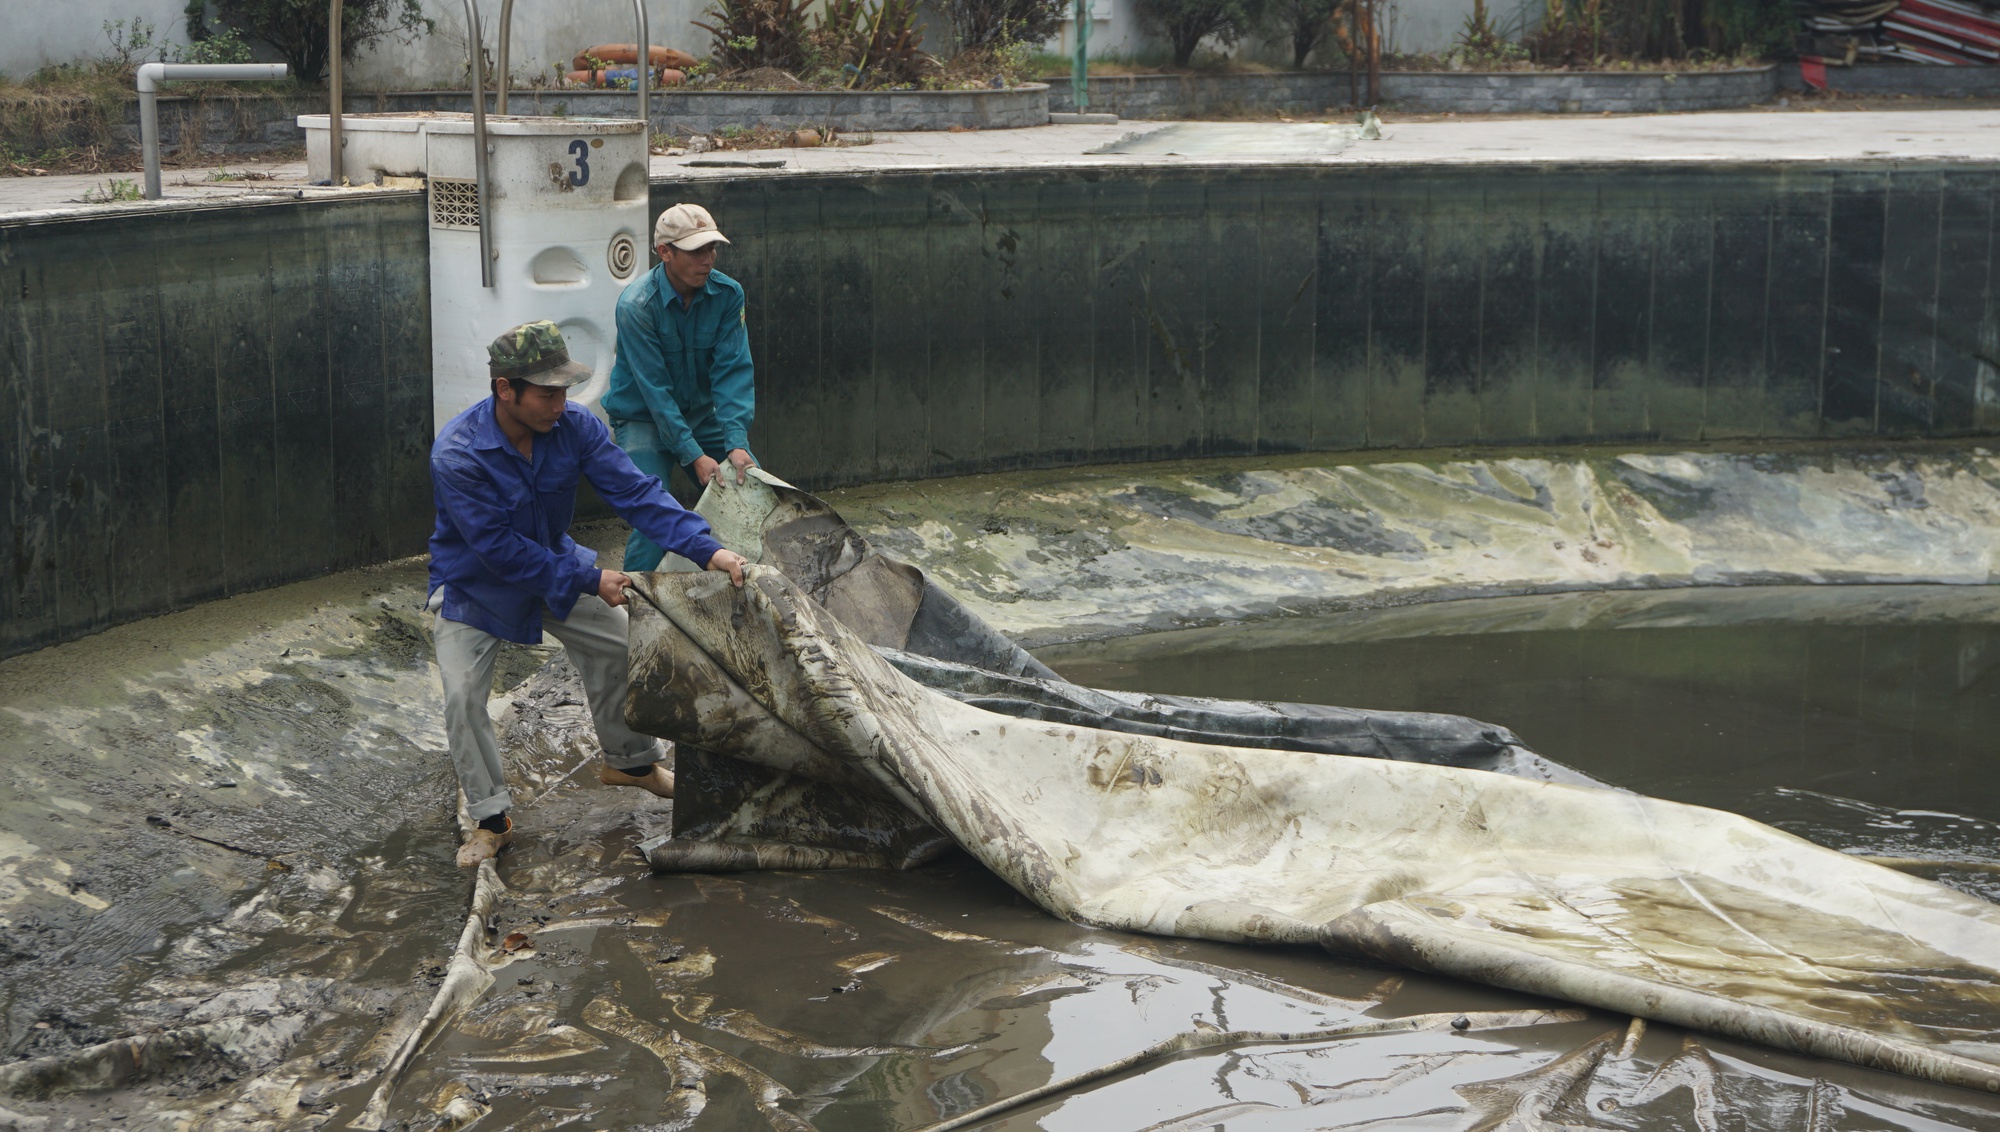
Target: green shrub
[1186, 23]
[297, 29]
[1482, 46]
[116, 189]
[132, 42]
[1590, 32]
[874, 46]
[1307, 23]
[760, 33]
[980, 24]
[853, 43]
[225, 46]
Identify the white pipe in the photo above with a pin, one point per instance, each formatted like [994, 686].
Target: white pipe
[151, 75]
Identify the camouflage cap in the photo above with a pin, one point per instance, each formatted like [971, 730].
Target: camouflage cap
[534, 352]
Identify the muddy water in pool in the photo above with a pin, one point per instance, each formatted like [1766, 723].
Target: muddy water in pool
[861, 1000]
[845, 1001]
[1878, 736]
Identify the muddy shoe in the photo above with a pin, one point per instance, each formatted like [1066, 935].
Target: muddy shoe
[656, 779]
[484, 845]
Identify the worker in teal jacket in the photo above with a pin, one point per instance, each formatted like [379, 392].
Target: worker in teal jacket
[681, 385]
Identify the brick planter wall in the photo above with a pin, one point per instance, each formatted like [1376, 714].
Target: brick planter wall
[1312, 92]
[202, 127]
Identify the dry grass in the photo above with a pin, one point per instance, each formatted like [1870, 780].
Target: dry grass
[734, 139]
[60, 121]
[70, 119]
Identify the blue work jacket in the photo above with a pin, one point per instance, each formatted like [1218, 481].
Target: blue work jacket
[501, 548]
[687, 369]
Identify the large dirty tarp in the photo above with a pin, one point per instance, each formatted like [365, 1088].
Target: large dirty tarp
[780, 813]
[1677, 913]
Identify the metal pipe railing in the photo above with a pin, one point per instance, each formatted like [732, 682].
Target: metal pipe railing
[643, 70]
[500, 55]
[1079, 72]
[333, 95]
[479, 145]
[644, 66]
[151, 75]
[478, 119]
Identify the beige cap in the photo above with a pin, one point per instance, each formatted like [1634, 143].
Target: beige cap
[687, 227]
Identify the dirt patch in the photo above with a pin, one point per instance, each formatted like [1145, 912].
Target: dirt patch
[739, 138]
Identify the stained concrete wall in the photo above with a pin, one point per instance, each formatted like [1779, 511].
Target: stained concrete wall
[197, 403]
[926, 325]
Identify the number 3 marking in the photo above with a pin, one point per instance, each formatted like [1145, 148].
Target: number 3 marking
[580, 176]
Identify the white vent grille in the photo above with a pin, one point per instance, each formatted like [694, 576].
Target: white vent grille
[454, 203]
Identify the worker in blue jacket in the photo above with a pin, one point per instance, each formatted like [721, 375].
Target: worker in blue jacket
[681, 390]
[503, 567]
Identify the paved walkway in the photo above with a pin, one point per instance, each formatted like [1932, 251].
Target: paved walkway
[1888, 136]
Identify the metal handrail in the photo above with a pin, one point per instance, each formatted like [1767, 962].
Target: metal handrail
[478, 126]
[479, 146]
[333, 95]
[500, 56]
[151, 75]
[1079, 73]
[643, 68]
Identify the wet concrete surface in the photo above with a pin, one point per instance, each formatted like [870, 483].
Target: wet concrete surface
[865, 1000]
[1055, 556]
[177, 785]
[240, 816]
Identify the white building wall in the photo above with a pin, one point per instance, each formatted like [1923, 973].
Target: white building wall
[1432, 27]
[545, 33]
[40, 34]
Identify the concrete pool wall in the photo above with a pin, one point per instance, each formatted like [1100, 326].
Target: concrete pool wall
[203, 401]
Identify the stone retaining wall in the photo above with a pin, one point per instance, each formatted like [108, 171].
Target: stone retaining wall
[1902, 78]
[699, 111]
[1574, 92]
[203, 127]
[1314, 92]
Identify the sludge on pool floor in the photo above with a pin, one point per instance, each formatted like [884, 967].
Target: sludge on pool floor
[873, 1000]
[887, 1000]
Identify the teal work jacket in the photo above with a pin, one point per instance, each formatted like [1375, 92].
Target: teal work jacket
[686, 369]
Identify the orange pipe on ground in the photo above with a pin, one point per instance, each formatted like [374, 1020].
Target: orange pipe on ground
[667, 77]
[628, 53]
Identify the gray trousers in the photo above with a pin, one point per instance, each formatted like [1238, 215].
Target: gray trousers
[595, 638]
